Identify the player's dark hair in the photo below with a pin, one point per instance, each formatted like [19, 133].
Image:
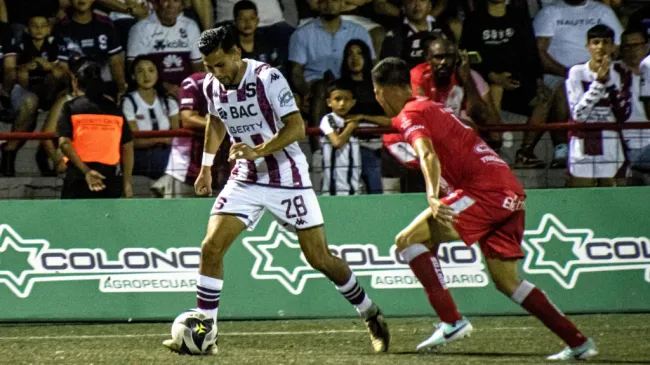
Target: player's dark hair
[223, 37]
[635, 29]
[600, 31]
[89, 79]
[391, 71]
[339, 84]
[243, 5]
[367, 60]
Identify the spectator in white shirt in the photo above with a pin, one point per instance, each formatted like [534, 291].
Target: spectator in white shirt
[598, 92]
[148, 107]
[560, 29]
[635, 49]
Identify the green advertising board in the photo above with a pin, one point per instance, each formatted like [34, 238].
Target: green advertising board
[137, 259]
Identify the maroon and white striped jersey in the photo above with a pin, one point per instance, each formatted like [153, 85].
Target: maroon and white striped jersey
[252, 114]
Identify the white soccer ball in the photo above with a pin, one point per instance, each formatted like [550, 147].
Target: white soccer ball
[194, 332]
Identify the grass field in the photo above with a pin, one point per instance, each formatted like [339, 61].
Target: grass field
[622, 339]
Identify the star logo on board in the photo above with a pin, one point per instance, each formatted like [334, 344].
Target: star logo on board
[278, 257]
[18, 258]
[564, 253]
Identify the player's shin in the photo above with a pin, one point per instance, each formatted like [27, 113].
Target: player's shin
[537, 303]
[427, 269]
[208, 292]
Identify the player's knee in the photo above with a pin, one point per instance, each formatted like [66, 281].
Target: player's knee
[212, 250]
[402, 241]
[506, 285]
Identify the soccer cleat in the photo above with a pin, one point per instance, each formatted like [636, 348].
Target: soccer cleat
[582, 352]
[378, 329]
[445, 333]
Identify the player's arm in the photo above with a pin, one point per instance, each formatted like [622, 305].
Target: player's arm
[293, 130]
[215, 131]
[379, 120]
[581, 103]
[549, 64]
[430, 165]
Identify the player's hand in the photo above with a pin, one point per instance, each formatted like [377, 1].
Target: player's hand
[95, 181]
[242, 150]
[203, 183]
[602, 74]
[504, 79]
[441, 212]
[464, 70]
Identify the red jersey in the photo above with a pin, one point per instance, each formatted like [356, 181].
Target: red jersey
[466, 161]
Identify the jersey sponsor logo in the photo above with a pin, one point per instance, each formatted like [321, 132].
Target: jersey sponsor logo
[462, 265]
[247, 128]
[30, 261]
[172, 62]
[286, 97]
[566, 253]
[241, 111]
[412, 129]
[163, 44]
[222, 114]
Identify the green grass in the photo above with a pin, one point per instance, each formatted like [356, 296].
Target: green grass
[622, 339]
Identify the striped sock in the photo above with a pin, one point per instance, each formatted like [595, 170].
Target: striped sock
[355, 294]
[208, 291]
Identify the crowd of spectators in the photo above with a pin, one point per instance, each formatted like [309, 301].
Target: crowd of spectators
[489, 61]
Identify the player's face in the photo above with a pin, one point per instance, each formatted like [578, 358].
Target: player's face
[82, 6]
[168, 10]
[224, 65]
[634, 49]
[355, 59]
[145, 74]
[246, 22]
[341, 101]
[417, 10]
[39, 28]
[442, 58]
[380, 95]
[599, 47]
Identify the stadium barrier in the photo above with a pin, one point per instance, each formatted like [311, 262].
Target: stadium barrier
[29, 184]
[587, 248]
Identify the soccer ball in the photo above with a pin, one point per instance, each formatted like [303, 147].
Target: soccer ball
[194, 332]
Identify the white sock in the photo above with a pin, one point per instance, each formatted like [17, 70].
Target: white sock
[208, 292]
[355, 294]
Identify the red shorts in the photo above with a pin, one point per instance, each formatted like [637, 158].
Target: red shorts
[493, 219]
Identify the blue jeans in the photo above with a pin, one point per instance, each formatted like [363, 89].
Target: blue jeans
[371, 170]
[640, 159]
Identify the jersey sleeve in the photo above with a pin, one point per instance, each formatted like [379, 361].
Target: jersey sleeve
[134, 47]
[416, 81]
[645, 79]
[582, 102]
[173, 107]
[113, 41]
[189, 94]
[64, 124]
[298, 48]
[544, 24]
[128, 109]
[413, 126]
[325, 125]
[278, 92]
[207, 94]
[194, 34]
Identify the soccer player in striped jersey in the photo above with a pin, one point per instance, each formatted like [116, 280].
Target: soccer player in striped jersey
[253, 103]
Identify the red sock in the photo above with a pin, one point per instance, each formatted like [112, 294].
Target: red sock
[427, 270]
[537, 303]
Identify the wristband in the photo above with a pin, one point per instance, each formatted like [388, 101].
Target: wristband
[208, 159]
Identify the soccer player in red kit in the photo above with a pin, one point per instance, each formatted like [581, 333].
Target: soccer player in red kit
[485, 205]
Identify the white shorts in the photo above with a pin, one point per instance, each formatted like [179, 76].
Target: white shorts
[294, 209]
